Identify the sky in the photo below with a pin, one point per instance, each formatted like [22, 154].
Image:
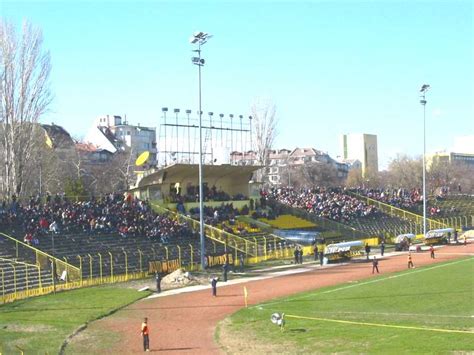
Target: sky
[330, 67]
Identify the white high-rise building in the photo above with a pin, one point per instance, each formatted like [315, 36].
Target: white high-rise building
[362, 147]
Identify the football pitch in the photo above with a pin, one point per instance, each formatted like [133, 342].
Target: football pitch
[425, 310]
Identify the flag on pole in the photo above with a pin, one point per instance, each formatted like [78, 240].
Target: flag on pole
[49, 142]
[245, 296]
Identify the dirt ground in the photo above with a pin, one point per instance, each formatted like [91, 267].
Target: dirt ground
[185, 323]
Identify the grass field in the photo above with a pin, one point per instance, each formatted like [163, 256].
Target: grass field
[393, 307]
[40, 325]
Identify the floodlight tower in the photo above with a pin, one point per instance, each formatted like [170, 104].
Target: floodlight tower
[199, 39]
[164, 110]
[176, 111]
[423, 91]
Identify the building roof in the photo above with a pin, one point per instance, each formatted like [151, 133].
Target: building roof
[179, 172]
[90, 148]
[60, 138]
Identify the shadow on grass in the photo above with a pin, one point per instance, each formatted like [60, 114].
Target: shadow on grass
[298, 330]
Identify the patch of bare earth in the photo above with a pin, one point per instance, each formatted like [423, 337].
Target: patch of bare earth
[243, 342]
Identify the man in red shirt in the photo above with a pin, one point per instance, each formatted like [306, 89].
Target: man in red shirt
[432, 252]
[145, 333]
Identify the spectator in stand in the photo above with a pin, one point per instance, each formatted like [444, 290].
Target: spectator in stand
[328, 203]
[28, 239]
[53, 227]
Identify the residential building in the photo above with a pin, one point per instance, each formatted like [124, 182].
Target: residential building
[449, 157]
[91, 154]
[279, 160]
[113, 134]
[362, 147]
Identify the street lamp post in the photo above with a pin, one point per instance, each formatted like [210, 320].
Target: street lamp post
[200, 38]
[423, 91]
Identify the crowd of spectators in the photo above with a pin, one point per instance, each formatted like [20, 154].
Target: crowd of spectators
[408, 199]
[219, 214]
[209, 194]
[328, 203]
[401, 198]
[111, 214]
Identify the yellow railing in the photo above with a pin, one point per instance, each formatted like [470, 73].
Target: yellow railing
[108, 270]
[39, 291]
[398, 212]
[42, 259]
[458, 222]
[241, 244]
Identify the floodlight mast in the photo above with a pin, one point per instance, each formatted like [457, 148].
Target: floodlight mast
[199, 39]
[423, 91]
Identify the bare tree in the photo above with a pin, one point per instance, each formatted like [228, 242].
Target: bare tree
[322, 174]
[354, 178]
[263, 113]
[25, 97]
[264, 120]
[405, 172]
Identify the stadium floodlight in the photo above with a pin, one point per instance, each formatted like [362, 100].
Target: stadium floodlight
[424, 88]
[164, 109]
[199, 39]
[423, 91]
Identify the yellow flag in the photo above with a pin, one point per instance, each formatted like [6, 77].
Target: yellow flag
[49, 142]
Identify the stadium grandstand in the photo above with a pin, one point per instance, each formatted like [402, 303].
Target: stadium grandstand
[55, 243]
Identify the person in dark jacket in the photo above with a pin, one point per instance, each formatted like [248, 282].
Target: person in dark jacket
[225, 270]
[315, 252]
[214, 286]
[375, 265]
[158, 282]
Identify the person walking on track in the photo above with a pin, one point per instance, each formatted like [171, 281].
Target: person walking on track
[432, 252]
[410, 262]
[375, 265]
[145, 334]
